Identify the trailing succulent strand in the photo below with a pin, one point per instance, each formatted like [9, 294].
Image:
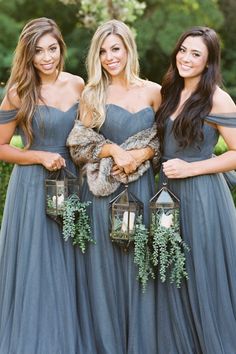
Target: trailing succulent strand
[142, 254]
[158, 251]
[76, 222]
[168, 252]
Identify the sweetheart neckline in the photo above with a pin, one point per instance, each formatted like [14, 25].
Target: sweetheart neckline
[132, 113]
[58, 109]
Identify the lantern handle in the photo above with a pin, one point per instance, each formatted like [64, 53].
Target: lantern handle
[62, 173]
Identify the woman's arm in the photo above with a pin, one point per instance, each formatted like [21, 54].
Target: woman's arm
[177, 168]
[124, 161]
[12, 154]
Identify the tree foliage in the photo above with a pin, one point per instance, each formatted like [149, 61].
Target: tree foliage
[92, 13]
[164, 21]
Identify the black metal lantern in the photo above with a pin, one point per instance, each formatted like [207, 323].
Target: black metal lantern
[164, 209]
[58, 187]
[125, 208]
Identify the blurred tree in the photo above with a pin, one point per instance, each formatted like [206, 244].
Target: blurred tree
[9, 29]
[228, 31]
[92, 13]
[15, 13]
[164, 21]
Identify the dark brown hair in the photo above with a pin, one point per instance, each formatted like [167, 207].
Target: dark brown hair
[187, 125]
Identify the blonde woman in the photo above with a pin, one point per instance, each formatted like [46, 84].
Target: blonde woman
[37, 268]
[115, 142]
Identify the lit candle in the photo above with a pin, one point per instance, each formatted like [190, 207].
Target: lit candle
[59, 200]
[124, 226]
[166, 220]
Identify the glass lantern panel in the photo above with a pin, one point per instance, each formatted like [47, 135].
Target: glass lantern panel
[73, 186]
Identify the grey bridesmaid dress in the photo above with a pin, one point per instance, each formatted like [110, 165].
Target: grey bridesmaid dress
[38, 311]
[116, 317]
[200, 317]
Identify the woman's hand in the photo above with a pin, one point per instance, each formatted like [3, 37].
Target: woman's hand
[142, 155]
[124, 162]
[51, 161]
[176, 168]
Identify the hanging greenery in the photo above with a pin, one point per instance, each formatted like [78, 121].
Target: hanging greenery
[168, 251]
[75, 220]
[142, 254]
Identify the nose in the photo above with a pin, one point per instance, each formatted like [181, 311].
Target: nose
[46, 55]
[186, 56]
[109, 56]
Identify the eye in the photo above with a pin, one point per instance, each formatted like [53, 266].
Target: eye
[38, 51]
[53, 49]
[181, 50]
[115, 49]
[196, 55]
[102, 51]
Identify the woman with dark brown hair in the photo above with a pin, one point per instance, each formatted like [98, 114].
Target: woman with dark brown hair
[37, 267]
[199, 318]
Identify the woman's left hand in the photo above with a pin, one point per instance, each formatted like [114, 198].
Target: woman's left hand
[176, 168]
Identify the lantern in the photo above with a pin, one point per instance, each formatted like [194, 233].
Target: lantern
[58, 187]
[125, 208]
[164, 209]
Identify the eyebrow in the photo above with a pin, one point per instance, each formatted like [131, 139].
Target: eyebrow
[111, 46]
[51, 45]
[192, 50]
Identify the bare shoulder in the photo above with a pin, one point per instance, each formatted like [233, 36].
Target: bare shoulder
[222, 102]
[152, 86]
[154, 92]
[76, 81]
[11, 100]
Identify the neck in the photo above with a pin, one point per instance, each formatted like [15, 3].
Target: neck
[48, 80]
[190, 84]
[119, 81]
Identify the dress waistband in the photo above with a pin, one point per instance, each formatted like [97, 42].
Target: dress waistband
[187, 158]
[59, 149]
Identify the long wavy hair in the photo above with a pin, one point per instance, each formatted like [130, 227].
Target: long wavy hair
[94, 95]
[187, 127]
[24, 76]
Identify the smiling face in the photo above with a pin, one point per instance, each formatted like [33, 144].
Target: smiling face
[113, 55]
[47, 55]
[191, 59]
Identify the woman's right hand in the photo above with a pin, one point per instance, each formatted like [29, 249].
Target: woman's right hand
[51, 161]
[124, 161]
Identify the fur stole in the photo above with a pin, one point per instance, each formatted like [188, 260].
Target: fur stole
[85, 145]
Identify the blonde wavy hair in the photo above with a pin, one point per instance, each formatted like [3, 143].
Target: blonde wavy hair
[93, 98]
[24, 76]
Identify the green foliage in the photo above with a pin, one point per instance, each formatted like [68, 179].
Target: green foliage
[164, 21]
[16, 141]
[76, 222]
[5, 171]
[9, 30]
[142, 254]
[220, 147]
[227, 32]
[93, 13]
[168, 251]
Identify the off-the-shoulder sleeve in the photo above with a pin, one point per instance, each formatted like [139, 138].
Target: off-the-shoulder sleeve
[7, 116]
[224, 119]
